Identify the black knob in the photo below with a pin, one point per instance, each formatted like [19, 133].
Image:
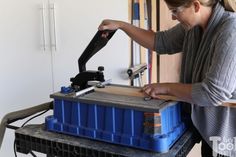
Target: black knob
[101, 68]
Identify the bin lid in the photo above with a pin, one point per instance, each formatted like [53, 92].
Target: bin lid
[111, 97]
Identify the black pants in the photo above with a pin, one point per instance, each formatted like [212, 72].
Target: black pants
[207, 151]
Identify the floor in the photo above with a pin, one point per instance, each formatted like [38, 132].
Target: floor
[196, 151]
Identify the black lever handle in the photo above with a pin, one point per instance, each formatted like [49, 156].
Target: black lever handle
[98, 42]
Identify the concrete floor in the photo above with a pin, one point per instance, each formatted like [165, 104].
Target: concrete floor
[196, 151]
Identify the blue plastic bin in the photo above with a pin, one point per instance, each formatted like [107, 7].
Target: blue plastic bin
[118, 123]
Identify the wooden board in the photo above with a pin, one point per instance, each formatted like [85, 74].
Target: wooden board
[129, 91]
[136, 92]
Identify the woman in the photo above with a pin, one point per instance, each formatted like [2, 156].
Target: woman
[206, 35]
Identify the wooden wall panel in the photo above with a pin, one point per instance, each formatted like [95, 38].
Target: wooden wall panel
[142, 25]
[169, 65]
[154, 28]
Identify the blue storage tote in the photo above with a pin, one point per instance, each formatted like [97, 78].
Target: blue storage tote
[151, 125]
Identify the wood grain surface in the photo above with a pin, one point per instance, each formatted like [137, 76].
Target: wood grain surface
[134, 91]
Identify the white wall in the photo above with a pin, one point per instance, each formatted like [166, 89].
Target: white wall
[114, 56]
[20, 31]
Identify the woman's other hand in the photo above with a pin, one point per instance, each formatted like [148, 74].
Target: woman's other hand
[109, 25]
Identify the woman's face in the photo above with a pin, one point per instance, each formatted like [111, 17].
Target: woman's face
[187, 16]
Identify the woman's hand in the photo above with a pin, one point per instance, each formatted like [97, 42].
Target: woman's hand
[181, 91]
[155, 89]
[110, 25]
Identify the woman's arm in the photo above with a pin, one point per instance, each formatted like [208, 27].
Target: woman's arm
[220, 80]
[143, 37]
